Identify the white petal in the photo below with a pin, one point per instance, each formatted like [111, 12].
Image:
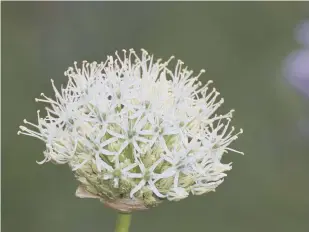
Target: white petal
[109, 141]
[137, 188]
[123, 146]
[107, 152]
[120, 136]
[134, 175]
[138, 149]
[129, 167]
[154, 189]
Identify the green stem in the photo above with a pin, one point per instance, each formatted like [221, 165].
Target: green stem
[123, 222]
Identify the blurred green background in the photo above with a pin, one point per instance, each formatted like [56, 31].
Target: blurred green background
[241, 44]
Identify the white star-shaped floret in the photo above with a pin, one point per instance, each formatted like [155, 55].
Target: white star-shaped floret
[147, 178]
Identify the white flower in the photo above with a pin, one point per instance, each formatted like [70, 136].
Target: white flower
[147, 176]
[130, 126]
[177, 193]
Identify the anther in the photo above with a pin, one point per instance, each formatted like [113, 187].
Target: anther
[144, 51]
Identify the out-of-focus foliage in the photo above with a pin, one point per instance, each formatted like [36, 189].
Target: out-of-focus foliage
[242, 45]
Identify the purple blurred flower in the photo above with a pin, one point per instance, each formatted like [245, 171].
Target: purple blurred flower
[297, 70]
[297, 63]
[302, 33]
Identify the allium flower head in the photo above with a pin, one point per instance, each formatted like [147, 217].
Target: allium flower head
[135, 132]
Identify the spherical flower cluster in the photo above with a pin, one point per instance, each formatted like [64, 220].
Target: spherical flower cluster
[135, 132]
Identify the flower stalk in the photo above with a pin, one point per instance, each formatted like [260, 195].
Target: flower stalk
[123, 222]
